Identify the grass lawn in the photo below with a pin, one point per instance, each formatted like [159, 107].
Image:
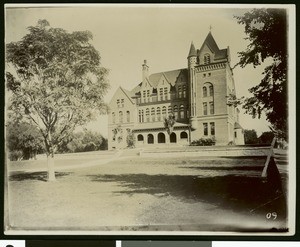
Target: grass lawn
[138, 193]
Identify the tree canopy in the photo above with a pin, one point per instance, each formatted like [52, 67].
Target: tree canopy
[56, 81]
[266, 31]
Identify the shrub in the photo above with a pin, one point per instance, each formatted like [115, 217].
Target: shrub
[15, 155]
[204, 141]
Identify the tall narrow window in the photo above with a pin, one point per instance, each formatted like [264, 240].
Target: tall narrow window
[204, 108]
[206, 59]
[153, 114]
[164, 111]
[148, 95]
[179, 92]
[169, 110]
[142, 116]
[147, 115]
[211, 90]
[120, 117]
[113, 117]
[176, 111]
[144, 96]
[181, 111]
[212, 129]
[205, 129]
[128, 116]
[158, 112]
[204, 91]
[184, 91]
[166, 93]
[211, 108]
[122, 102]
[118, 102]
[161, 95]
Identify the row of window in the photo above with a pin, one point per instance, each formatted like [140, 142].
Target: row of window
[156, 114]
[163, 94]
[209, 127]
[121, 117]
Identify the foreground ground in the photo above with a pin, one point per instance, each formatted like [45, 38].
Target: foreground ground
[137, 193]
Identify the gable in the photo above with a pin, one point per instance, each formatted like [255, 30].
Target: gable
[121, 96]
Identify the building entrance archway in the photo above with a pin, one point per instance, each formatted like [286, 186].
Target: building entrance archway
[173, 138]
[150, 139]
[161, 138]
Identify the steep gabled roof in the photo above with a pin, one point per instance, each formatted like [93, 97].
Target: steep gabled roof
[171, 76]
[128, 94]
[211, 43]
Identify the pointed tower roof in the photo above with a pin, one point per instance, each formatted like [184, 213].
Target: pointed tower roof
[192, 52]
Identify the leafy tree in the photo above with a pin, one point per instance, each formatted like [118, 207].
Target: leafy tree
[57, 82]
[24, 141]
[130, 139]
[266, 30]
[83, 141]
[169, 123]
[250, 136]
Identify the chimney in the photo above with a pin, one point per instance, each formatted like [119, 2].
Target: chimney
[145, 70]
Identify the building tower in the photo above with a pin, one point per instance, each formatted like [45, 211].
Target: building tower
[192, 62]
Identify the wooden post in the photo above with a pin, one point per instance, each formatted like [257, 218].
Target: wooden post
[264, 173]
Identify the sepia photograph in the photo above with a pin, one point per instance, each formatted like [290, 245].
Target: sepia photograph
[139, 119]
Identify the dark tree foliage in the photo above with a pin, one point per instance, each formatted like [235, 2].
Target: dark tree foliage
[266, 30]
[266, 137]
[250, 137]
[24, 141]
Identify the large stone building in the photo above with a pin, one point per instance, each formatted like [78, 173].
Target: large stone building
[196, 96]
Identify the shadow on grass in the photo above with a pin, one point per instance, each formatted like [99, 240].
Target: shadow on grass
[227, 168]
[40, 176]
[236, 192]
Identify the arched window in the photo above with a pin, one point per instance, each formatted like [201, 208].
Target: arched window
[128, 116]
[153, 114]
[204, 91]
[120, 116]
[147, 115]
[206, 58]
[158, 113]
[181, 109]
[113, 117]
[176, 111]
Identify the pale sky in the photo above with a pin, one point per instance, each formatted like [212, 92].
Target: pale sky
[125, 35]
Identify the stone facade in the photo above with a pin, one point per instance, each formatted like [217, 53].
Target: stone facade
[196, 96]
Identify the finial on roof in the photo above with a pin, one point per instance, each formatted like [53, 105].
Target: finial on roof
[192, 52]
[210, 28]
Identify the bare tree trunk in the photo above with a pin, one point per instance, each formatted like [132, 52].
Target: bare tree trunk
[50, 158]
[50, 164]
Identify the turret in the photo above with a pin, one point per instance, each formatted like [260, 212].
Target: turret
[145, 71]
[192, 57]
